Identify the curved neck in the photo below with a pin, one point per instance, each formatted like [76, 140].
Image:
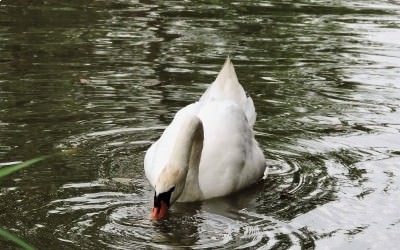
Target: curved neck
[186, 156]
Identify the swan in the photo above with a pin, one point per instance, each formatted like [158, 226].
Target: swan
[208, 150]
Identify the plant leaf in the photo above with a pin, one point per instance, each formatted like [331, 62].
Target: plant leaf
[11, 169]
[9, 236]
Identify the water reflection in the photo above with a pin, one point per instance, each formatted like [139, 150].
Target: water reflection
[105, 78]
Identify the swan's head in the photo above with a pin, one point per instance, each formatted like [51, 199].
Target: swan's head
[168, 188]
[162, 201]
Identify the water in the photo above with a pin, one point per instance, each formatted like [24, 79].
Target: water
[102, 79]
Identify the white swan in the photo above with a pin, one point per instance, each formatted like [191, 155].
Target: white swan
[208, 150]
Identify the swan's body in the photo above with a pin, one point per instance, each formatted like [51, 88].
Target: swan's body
[209, 149]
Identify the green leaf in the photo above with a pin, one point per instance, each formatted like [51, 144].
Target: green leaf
[11, 169]
[9, 236]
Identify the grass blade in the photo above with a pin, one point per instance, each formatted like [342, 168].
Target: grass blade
[11, 169]
[9, 236]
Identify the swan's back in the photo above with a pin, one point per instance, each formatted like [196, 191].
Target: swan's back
[227, 87]
[231, 158]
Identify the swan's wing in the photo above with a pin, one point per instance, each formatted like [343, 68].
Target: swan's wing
[227, 87]
[250, 111]
[231, 158]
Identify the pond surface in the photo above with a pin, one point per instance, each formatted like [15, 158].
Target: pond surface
[100, 80]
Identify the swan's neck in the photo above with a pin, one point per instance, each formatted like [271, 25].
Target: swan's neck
[186, 156]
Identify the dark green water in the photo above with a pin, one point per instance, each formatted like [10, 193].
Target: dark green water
[105, 77]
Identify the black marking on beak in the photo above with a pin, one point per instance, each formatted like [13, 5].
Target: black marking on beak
[165, 197]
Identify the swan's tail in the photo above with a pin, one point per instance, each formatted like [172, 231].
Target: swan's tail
[227, 87]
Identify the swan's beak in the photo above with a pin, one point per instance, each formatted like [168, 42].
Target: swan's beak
[159, 212]
[161, 205]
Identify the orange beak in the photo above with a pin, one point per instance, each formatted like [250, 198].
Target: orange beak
[159, 213]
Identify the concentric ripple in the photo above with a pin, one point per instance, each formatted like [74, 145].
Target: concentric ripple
[122, 221]
[117, 208]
